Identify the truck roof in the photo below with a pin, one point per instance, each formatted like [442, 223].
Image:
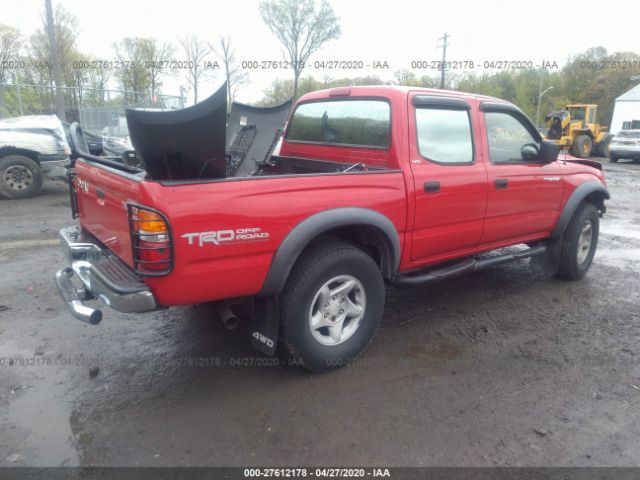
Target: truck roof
[390, 91]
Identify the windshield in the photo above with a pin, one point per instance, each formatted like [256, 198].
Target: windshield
[577, 113]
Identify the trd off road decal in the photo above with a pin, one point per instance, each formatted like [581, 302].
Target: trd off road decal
[218, 237]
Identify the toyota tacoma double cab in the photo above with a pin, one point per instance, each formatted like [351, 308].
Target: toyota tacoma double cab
[366, 185]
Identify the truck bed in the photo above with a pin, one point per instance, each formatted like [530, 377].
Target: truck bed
[271, 203]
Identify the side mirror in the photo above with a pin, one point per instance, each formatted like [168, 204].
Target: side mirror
[548, 151]
[529, 152]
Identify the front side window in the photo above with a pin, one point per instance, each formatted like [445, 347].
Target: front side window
[444, 136]
[362, 123]
[506, 136]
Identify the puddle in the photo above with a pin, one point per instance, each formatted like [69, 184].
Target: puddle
[37, 413]
[622, 230]
[624, 259]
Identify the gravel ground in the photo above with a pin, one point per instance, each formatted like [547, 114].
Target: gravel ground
[502, 367]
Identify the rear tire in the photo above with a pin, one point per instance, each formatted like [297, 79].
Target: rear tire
[579, 242]
[582, 146]
[331, 306]
[613, 158]
[20, 177]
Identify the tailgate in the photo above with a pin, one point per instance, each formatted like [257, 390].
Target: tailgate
[102, 194]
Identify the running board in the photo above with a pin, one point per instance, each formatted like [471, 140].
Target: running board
[466, 266]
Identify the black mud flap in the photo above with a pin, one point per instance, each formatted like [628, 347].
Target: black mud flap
[265, 325]
[549, 262]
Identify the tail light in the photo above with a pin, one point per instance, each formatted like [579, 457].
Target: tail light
[150, 241]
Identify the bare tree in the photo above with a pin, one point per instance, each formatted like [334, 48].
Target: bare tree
[10, 43]
[78, 79]
[302, 27]
[405, 77]
[65, 32]
[234, 75]
[9, 46]
[156, 58]
[132, 53]
[144, 63]
[98, 80]
[196, 51]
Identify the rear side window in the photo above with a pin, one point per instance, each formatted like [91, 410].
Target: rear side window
[444, 136]
[362, 123]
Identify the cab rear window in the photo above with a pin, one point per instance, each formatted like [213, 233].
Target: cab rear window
[360, 123]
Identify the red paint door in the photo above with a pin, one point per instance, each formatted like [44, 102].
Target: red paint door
[524, 195]
[449, 178]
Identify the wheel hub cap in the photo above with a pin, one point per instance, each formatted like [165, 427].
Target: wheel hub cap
[18, 177]
[336, 310]
[584, 242]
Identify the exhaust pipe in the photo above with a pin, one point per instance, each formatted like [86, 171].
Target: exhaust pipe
[70, 294]
[227, 317]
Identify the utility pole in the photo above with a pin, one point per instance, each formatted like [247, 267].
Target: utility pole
[445, 42]
[540, 95]
[55, 61]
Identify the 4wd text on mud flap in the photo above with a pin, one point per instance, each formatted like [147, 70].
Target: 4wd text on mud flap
[217, 237]
[263, 338]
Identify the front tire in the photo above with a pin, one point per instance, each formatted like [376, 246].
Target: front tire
[582, 146]
[331, 306]
[613, 158]
[20, 177]
[579, 242]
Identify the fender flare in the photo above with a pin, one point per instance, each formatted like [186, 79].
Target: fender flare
[576, 198]
[25, 152]
[304, 232]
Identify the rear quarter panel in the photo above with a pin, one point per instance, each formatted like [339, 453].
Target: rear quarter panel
[102, 206]
[232, 269]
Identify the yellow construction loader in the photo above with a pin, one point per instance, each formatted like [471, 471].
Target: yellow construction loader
[576, 128]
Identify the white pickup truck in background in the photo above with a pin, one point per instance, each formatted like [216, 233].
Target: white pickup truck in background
[32, 148]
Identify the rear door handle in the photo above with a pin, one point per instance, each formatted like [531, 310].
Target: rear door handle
[431, 187]
[502, 183]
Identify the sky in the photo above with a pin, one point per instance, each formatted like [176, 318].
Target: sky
[396, 32]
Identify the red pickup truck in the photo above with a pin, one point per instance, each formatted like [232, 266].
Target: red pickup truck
[367, 185]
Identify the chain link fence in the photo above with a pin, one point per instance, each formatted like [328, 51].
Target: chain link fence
[97, 110]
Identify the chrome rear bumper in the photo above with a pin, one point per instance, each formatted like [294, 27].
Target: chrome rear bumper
[102, 275]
